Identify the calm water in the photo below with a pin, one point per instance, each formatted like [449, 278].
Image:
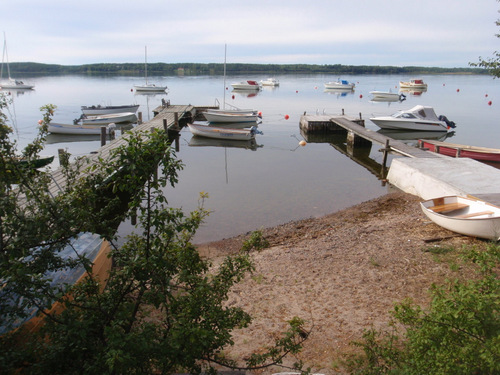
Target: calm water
[278, 181]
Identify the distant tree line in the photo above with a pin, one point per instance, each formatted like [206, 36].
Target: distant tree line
[194, 69]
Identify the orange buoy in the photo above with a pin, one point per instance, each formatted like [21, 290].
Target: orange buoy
[232, 97]
[489, 103]
[458, 90]
[360, 96]
[287, 117]
[302, 143]
[485, 95]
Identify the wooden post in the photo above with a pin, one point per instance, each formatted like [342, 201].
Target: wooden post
[165, 127]
[139, 118]
[176, 120]
[386, 151]
[103, 135]
[342, 111]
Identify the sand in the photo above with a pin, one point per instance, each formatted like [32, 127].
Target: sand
[342, 273]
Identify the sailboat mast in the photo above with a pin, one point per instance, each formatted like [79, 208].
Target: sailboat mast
[224, 100]
[146, 63]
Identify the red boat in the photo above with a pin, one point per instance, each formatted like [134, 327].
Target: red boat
[461, 151]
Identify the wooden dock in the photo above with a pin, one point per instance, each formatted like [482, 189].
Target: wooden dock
[357, 134]
[168, 117]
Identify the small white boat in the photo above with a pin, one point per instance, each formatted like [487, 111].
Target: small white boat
[223, 133]
[57, 128]
[413, 84]
[465, 215]
[10, 83]
[340, 84]
[108, 118]
[421, 118]
[228, 116]
[387, 95]
[270, 82]
[246, 85]
[148, 87]
[99, 110]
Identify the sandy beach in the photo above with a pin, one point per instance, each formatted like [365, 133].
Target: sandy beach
[342, 273]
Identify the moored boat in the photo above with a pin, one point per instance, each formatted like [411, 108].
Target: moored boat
[387, 95]
[461, 151]
[270, 82]
[465, 215]
[58, 128]
[340, 84]
[232, 116]
[421, 118]
[148, 87]
[413, 84]
[246, 85]
[98, 110]
[107, 118]
[223, 133]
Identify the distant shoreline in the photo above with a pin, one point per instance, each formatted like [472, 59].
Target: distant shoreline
[202, 69]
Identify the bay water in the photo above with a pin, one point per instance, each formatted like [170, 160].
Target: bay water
[277, 180]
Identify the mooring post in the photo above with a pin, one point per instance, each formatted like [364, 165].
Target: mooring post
[176, 120]
[103, 136]
[342, 111]
[386, 151]
[139, 118]
[165, 127]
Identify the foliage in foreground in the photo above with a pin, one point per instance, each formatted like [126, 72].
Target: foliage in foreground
[458, 334]
[162, 308]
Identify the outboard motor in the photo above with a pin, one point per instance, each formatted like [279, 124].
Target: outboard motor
[450, 124]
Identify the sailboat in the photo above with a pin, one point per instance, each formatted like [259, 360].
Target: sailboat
[230, 115]
[11, 83]
[148, 87]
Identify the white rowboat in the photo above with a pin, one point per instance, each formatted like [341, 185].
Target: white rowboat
[109, 118]
[465, 215]
[231, 116]
[57, 128]
[98, 110]
[223, 133]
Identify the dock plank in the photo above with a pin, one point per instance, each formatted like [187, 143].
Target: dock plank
[163, 113]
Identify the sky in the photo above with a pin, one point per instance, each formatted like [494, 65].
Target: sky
[437, 33]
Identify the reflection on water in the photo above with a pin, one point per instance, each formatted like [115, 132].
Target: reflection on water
[211, 142]
[273, 185]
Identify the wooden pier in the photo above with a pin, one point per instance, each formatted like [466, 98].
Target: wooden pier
[357, 134]
[168, 117]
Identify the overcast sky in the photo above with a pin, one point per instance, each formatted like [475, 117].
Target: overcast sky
[444, 33]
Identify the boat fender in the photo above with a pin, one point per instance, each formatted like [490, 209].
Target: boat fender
[450, 124]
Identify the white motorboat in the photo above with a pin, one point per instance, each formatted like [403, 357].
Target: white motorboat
[107, 119]
[465, 215]
[246, 85]
[340, 84]
[270, 82]
[10, 83]
[228, 116]
[413, 84]
[148, 87]
[98, 110]
[223, 133]
[58, 128]
[387, 95]
[421, 118]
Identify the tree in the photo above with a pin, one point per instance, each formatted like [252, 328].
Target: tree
[492, 63]
[458, 334]
[162, 308]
